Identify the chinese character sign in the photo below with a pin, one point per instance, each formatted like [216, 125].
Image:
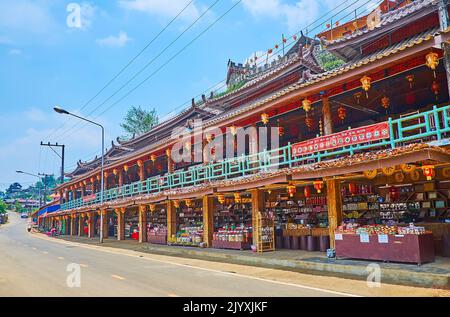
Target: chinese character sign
[365, 134]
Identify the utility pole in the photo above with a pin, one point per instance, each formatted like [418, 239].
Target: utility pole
[61, 156]
[44, 181]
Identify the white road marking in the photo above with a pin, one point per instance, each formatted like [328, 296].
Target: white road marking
[118, 277]
[84, 265]
[60, 258]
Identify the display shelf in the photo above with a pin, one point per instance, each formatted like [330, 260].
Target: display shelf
[266, 233]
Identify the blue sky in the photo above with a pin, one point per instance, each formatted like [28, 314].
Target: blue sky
[45, 62]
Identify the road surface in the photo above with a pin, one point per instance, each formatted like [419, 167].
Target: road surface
[31, 265]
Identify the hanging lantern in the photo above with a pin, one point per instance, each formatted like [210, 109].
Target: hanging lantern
[366, 83]
[221, 199]
[168, 153]
[92, 179]
[233, 130]
[269, 51]
[140, 163]
[407, 168]
[309, 122]
[99, 177]
[352, 188]
[153, 158]
[125, 168]
[432, 61]
[342, 113]
[357, 96]
[385, 103]
[265, 118]
[276, 46]
[115, 171]
[435, 88]
[176, 204]
[291, 189]
[429, 172]
[410, 79]
[237, 198]
[370, 174]
[306, 105]
[318, 186]
[188, 202]
[307, 192]
[152, 207]
[295, 37]
[280, 129]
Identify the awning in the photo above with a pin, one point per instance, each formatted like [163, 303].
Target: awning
[47, 210]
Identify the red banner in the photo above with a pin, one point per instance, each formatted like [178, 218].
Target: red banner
[89, 198]
[365, 134]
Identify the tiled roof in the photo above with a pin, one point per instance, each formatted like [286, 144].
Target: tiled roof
[387, 19]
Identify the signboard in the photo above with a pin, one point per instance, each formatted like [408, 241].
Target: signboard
[338, 236]
[364, 238]
[383, 238]
[89, 198]
[365, 134]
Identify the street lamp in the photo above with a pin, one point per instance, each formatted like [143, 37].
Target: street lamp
[39, 188]
[65, 112]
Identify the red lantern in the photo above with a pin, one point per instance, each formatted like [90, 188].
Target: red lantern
[342, 113]
[269, 51]
[318, 185]
[276, 46]
[309, 122]
[394, 193]
[352, 188]
[429, 172]
[307, 192]
[295, 37]
[435, 88]
[291, 189]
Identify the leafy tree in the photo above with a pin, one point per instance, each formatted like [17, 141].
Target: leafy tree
[19, 208]
[3, 207]
[328, 61]
[138, 121]
[13, 189]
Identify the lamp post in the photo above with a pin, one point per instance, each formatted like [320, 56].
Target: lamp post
[65, 112]
[39, 188]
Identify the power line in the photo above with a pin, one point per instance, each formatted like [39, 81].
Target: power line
[127, 65]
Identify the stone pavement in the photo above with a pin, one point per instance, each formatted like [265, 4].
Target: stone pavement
[436, 275]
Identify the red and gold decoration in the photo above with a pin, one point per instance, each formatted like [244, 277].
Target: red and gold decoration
[291, 190]
[399, 177]
[385, 102]
[265, 118]
[342, 113]
[153, 158]
[237, 198]
[115, 171]
[429, 172]
[125, 168]
[407, 168]
[168, 153]
[306, 105]
[388, 171]
[176, 204]
[414, 175]
[318, 186]
[309, 122]
[233, 130]
[280, 129]
[435, 88]
[446, 172]
[410, 79]
[221, 199]
[432, 61]
[188, 203]
[371, 174]
[140, 163]
[366, 83]
[394, 193]
[307, 192]
[152, 207]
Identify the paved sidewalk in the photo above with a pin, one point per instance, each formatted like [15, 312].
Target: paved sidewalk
[435, 275]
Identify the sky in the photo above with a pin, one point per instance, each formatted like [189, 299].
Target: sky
[55, 52]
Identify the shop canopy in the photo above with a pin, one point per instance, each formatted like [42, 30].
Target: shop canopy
[48, 210]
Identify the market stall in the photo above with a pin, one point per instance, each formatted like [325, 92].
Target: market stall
[233, 222]
[157, 224]
[132, 224]
[189, 223]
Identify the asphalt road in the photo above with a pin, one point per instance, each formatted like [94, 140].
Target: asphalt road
[30, 266]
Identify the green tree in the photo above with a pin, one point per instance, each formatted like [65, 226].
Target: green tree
[328, 61]
[3, 207]
[138, 121]
[19, 208]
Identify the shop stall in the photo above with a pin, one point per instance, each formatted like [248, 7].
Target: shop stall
[233, 222]
[189, 223]
[132, 224]
[157, 224]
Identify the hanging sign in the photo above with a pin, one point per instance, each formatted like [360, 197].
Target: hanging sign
[338, 236]
[365, 134]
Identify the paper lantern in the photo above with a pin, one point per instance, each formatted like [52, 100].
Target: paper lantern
[140, 163]
[237, 198]
[115, 172]
[306, 105]
[371, 174]
[125, 168]
[153, 158]
[309, 122]
[221, 199]
[435, 88]
[291, 189]
[307, 192]
[152, 207]
[385, 102]
[188, 202]
[366, 83]
[342, 113]
[432, 61]
[318, 185]
[429, 172]
[269, 51]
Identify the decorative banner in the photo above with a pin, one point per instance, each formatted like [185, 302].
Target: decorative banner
[89, 198]
[365, 134]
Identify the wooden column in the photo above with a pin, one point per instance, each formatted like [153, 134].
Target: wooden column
[80, 225]
[73, 223]
[91, 224]
[105, 224]
[120, 223]
[141, 170]
[327, 116]
[208, 220]
[171, 220]
[105, 180]
[170, 168]
[258, 205]
[74, 194]
[142, 223]
[334, 202]
[120, 178]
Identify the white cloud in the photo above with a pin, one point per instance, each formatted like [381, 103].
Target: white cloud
[296, 15]
[87, 14]
[115, 41]
[162, 8]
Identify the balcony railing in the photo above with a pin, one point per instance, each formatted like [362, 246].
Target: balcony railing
[421, 127]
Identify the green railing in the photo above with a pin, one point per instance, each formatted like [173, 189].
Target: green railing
[433, 125]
